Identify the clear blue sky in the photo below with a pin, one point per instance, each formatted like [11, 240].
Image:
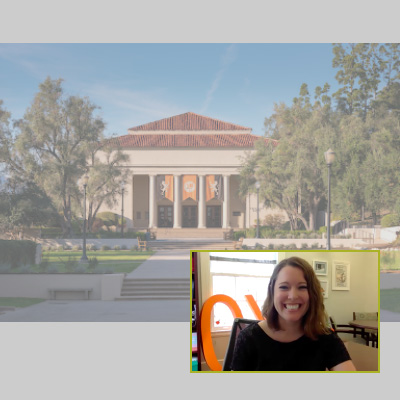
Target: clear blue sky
[139, 83]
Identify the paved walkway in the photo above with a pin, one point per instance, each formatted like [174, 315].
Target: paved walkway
[163, 264]
[389, 316]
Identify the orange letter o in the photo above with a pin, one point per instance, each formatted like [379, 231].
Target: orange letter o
[205, 323]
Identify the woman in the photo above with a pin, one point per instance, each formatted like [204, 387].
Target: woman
[294, 335]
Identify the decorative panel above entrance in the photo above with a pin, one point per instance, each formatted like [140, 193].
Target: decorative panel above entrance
[189, 187]
[165, 187]
[214, 187]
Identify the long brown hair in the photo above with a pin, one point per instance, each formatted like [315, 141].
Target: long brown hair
[314, 321]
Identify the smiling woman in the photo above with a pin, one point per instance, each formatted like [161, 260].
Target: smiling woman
[294, 335]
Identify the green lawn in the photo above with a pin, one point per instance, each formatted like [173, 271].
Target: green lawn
[18, 301]
[110, 255]
[66, 261]
[390, 300]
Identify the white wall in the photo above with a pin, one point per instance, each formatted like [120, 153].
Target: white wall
[364, 282]
[104, 286]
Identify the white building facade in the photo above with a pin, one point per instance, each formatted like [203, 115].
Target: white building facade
[184, 174]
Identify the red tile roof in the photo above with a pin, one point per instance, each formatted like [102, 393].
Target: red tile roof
[189, 122]
[241, 140]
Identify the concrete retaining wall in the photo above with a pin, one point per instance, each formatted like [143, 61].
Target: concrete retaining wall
[104, 286]
[389, 234]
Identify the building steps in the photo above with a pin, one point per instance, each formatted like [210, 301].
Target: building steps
[155, 289]
[206, 233]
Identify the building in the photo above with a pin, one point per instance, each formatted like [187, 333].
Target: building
[185, 175]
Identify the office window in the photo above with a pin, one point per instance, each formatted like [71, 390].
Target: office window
[237, 274]
[146, 215]
[138, 215]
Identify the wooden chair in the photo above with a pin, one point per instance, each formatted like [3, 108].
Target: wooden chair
[142, 244]
[370, 335]
[342, 328]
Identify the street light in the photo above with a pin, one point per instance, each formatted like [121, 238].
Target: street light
[84, 258]
[122, 210]
[258, 210]
[329, 159]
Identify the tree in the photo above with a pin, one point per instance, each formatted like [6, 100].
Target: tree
[56, 134]
[23, 205]
[105, 178]
[292, 174]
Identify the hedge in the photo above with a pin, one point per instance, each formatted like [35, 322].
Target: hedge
[390, 220]
[17, 253]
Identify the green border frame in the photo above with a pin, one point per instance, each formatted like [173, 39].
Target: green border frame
[290, 251]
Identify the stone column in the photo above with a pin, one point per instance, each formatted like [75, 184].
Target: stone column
[152, 201]
[202, 202]
[177, 201]
[225, 206]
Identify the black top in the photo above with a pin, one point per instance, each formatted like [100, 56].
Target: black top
[256, 351]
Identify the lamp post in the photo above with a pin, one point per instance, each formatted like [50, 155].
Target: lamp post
[258, 209]
[122, 208]
[84, 258]
[329, 159]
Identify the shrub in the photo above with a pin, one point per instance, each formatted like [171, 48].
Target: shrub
[97, 225]
[238, 234]
[66, 247]
[292, 246]
[91, 247]
[77, 247]
[44, 265]
[105, 247]
[117, 248]
[270, 246]
[80, 269]
[390, 220]
[140, 235]
[251, 233]
[109, 219]
[304, 246]
[123, 247]
[273, 221]
[93, 264]
[135, 248]
[17, 253]
[70, 264]
[315, 246]
[266, 232]
[259, 246]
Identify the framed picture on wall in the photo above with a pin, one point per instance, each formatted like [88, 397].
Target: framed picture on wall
[320, 267]
[341, 275]
[324, 285]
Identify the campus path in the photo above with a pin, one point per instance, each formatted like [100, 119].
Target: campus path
[163, 264]
[389, 316]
